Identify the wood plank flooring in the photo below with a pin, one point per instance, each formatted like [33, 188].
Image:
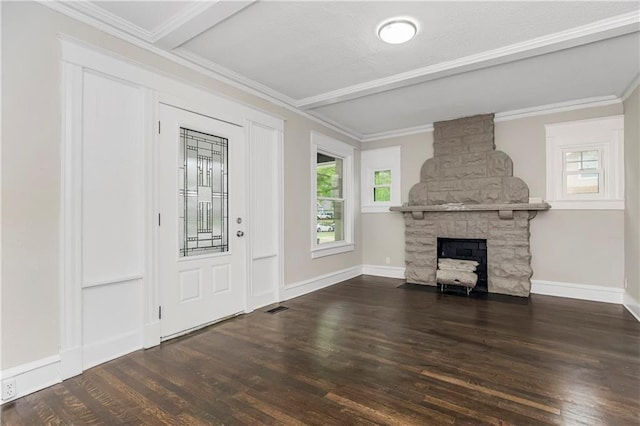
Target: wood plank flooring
[367, 352]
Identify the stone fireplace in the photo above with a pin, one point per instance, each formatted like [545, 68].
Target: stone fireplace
[467, 191]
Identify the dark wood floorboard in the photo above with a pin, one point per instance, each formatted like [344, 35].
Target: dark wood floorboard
[367, 352]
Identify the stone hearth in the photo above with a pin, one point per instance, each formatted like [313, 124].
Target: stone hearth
[467, 190]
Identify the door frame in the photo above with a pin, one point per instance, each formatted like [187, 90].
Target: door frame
[78, 57]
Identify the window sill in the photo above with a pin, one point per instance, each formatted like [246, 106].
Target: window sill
[587, 204]
[332, 249]
[377, 209]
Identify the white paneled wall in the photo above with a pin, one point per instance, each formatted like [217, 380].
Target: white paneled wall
[112, 218]
[265, 189]
[110, 297]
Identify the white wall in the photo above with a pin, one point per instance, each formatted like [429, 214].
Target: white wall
[383, 233]
[632, 193]
[568, 246]
[31, 129]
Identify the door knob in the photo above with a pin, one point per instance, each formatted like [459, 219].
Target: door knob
[240, 234]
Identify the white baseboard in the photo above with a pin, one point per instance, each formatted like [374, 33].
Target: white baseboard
[383, 271]
[632, 305]
[70, 362]
[594, 293]
[151, 335]
[33, 376]
[313, 284]
[109, 349]
[257, 302]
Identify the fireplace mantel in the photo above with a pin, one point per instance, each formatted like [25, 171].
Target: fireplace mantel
[505, 210]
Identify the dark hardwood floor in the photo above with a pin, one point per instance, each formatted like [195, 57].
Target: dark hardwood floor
[367, 352]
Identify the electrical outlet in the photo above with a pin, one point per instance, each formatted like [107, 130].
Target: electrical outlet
[388, 260]
[626, 283]
[8, 389]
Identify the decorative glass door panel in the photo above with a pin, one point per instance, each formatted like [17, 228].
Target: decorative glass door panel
[201, 254]
[203, 193]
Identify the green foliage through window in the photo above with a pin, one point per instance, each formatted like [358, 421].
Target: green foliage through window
[382, 177]
[382, 186]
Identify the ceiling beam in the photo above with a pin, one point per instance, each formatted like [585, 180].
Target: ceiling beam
[194, 21]
[597, 31]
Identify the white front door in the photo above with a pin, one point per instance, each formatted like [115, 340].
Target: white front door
[201, 195]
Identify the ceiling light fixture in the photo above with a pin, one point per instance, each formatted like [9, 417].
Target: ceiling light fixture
[397, 31]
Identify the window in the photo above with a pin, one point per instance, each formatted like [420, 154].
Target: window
[380, 179]
[332, 185]
[382, 186]
[203, 193]
[585, 168]
[581, 172]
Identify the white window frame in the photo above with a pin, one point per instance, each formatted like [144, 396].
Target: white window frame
[326, 145]
[375, 160]
[606, 135]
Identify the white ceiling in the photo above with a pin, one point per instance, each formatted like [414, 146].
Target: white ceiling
[324, 58]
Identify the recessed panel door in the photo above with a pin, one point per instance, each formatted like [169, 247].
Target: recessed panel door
[201, 249]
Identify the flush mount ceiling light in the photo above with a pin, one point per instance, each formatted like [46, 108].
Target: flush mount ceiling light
[397, 31]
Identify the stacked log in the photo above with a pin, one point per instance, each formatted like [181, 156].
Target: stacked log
[457, 272]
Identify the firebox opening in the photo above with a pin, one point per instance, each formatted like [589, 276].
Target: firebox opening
[467, 249]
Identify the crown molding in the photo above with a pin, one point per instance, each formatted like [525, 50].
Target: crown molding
[232, 75]
[630, 88]
[98, 14]
[557, 107]
[619, 25]
[269, 94]
[596, 31]
[506, 116]
[195, 20]
[73, 13]
[179, 19]
[370, 137]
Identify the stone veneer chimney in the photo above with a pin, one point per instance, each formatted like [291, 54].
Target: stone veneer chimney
[467, 190]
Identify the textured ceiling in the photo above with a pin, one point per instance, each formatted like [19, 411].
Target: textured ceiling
[592, 70]
[324, 58]
[307, 48]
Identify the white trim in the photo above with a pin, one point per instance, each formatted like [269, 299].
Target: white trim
[604, 134]
[632, 305]
[174, 89]
[93, 13]
[515, 114]
[596, 293]
[375, 160]
[239, 78]
[111, 348]
[555, 108]
[70, 362]
[587, 205]
[70, 220]
[376, 209]
[592, 32]
[307, 286]
[611, 27]
[320, 142]
[338, 248]
[151, 334]
[114, 280]
[383, 271]
[77, 58]
[33, 376]
[631, 87]
[370, 137]
[61, 7]
[193, 21]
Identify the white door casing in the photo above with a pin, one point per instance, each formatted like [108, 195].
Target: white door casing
[202, 287]
[79, 58]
